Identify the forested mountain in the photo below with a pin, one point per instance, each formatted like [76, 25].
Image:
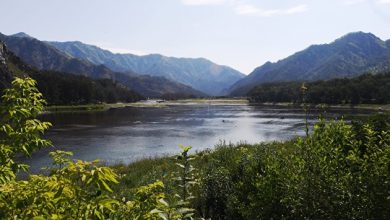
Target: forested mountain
[199, 73]
[46, 57]
[364, 89]
[60, 88]
[351, 55]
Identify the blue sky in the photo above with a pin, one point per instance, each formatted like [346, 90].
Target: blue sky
[242, 34]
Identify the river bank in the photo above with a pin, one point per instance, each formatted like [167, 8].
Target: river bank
[158, 103]
[151, 103]
[372, 107]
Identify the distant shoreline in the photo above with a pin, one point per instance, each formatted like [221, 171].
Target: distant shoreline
[373, 107]
[152, 103]
[158, 103]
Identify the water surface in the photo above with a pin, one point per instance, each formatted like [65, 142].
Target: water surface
[129, 134]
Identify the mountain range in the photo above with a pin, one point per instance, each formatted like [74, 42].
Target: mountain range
[62, 88]
[157, 75]
[349, 56]
[199, 73]
[45, 57]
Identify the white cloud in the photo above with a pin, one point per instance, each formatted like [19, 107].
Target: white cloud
[251, 10]
[203, 2]
[384, 1]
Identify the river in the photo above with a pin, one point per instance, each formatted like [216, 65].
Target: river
[124, 135]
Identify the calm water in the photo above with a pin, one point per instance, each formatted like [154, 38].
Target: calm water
[128, 134]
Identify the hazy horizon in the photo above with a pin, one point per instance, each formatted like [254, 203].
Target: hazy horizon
[242, 34]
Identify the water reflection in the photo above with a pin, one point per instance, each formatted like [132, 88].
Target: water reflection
[128, 134]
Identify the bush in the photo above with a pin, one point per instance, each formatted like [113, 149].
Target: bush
[331, 174]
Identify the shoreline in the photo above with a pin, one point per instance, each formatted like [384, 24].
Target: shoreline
[370, 107]
[158, 103]
[152, 103]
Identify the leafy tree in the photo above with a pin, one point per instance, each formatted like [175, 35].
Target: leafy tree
[19, 129]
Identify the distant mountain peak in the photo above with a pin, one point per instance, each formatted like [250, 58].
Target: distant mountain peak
[348, 56]
[358, 36]
[22, 35]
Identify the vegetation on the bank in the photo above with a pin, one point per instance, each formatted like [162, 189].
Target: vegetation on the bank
[337, 171]
[340, 171]
[365, 89]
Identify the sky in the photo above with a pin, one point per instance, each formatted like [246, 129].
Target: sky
[242, 34]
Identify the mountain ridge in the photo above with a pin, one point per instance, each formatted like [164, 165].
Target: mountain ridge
[350, 55]
[199, 73]
[61, 88]
[45, 57]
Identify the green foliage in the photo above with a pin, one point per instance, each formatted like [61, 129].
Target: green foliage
[149, 203]
[75, 190]
[80, 189]
[185, 181]
[185, 177]
[19, 129]
[331, 174]
[172, 200]
[365, 89]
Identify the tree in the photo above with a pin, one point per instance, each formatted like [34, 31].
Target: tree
[20, 131]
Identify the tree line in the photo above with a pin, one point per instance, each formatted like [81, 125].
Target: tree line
[67, 89]
[365, 89]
